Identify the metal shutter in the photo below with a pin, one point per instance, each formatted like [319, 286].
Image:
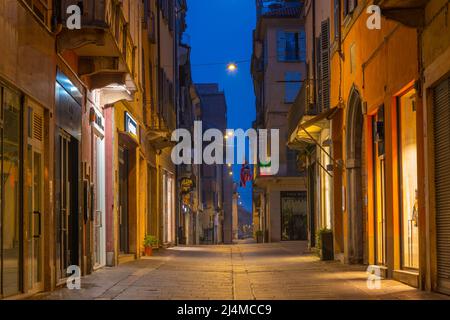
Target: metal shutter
[441, 101]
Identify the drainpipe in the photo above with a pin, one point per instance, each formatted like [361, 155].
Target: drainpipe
[158, 80]
[314, 50]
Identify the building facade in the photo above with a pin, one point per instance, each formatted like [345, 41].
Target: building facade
[27, 91]
[310, 124]
[87, 117]
[215, 220]
[279, 70]
[431, 21]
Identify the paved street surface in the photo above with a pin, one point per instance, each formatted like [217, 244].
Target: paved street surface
[241, 271]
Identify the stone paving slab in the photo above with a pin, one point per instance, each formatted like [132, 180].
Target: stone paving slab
[242, 271]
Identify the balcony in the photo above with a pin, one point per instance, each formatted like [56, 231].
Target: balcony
[104, 46]
[302, 106]
[408, 12]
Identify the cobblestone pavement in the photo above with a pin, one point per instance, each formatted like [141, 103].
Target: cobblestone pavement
[241, 271]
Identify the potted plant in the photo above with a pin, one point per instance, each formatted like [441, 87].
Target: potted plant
[325, 244]
[259, 236]
[149, 242]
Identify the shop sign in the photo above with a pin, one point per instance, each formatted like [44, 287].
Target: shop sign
[131, 126]
[97, 121]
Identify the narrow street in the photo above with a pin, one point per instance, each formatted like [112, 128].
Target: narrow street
[243, 271]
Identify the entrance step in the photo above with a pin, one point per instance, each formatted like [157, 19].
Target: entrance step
[124, 258]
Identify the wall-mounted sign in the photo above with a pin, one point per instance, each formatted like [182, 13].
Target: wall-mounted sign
[186, 185]
[97, 122]
[131, 125]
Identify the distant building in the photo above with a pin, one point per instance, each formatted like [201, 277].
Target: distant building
[215, 222]
[279, 70]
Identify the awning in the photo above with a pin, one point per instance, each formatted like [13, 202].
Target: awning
[308, 133]
[309, 128]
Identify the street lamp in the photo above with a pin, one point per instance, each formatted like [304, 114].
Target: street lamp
[232, 67]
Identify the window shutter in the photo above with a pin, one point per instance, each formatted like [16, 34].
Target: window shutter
[325, 64]
[319, 72]
[281, 45]
[441, 102]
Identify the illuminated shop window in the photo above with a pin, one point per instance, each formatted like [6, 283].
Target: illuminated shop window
[408, 179]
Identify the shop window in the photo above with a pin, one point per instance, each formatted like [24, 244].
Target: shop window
[10, 185]
[408, 180]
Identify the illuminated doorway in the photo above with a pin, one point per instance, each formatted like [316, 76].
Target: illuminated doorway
[379, 185]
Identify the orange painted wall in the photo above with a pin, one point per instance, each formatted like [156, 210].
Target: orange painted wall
[386, 61]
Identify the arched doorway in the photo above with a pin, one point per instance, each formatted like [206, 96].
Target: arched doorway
[354, 135]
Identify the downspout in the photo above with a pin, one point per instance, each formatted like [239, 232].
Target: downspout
[314, 50]
[159, 234]
[158, 59]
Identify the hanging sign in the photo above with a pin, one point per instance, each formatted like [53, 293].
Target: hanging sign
[186, 185]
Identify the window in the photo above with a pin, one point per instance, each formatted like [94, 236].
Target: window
[349, 6]
[337, 18]
[353, 58]
[292, 86]
[291, 46]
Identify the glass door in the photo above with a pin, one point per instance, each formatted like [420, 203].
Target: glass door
[35, 223]
[35, 200]
[99, 219]
[67, 197]
[379, 167]
[408, 180]
[123, 200]
[293, 216]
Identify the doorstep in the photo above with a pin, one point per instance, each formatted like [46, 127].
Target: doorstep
[410, 278]
[124, 258]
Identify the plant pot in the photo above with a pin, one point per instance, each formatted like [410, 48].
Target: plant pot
[259, 238]
[148, 251]
[327, 250]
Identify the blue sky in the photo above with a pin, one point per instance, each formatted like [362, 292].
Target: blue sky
[220, 31]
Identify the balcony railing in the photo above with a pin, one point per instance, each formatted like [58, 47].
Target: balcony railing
[104, 33]
[303, 105]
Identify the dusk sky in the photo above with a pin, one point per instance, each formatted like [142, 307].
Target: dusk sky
[220, 32]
